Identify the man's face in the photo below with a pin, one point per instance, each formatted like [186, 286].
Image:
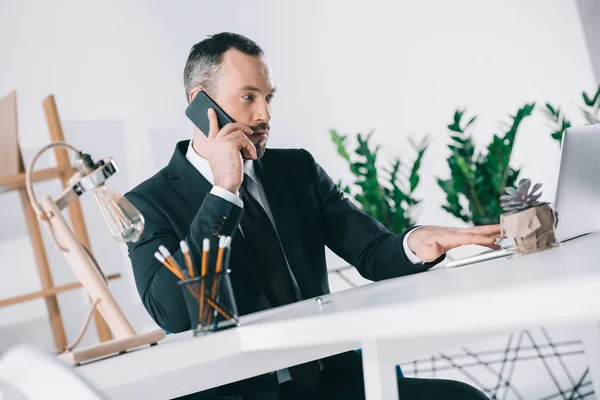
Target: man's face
[244, 89]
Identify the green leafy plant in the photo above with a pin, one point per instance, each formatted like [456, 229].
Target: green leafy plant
[386, 194]
[478, 179]
[590, 111]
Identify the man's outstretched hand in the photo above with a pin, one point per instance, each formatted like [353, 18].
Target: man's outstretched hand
[430, 242]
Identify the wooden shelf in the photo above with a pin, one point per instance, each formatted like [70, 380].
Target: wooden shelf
[15, 182]
[48, 292]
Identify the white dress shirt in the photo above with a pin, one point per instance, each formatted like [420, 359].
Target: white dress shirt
[257, 191]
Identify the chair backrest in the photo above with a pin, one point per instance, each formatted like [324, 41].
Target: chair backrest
[11, 162]
[28, 373]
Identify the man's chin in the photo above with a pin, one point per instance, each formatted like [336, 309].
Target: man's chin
[260, 146]
[260, 150]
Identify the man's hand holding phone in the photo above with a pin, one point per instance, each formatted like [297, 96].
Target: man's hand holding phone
[222, 151]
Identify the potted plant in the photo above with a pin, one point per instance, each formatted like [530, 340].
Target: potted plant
[478, 179]
[590, 111]
[385, 193]
[531, 223]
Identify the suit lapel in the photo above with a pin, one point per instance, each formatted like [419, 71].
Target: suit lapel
[285, 214]
[186, 179]
[194, 188]
[192, 185]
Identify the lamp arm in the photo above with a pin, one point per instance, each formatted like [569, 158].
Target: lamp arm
[84, 264]
[64, 198]
[29, 173]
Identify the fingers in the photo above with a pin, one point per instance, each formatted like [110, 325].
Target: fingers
[480, 240]
[236, 132]
[487, 230]
[432, 243]
[463, 239]
[213, 122]
[216, 131]
[250, 150]
[235, 126]
[433, 251]
[243, 143]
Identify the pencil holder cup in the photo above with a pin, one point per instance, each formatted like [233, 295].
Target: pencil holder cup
[210, 302]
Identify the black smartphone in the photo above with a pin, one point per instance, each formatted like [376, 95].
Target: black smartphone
[197, 112]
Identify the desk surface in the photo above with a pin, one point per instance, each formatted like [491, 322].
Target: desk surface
[558, 286]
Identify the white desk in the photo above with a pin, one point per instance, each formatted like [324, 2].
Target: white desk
[393, 321]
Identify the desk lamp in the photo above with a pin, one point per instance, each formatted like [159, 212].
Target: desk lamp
[125, 223]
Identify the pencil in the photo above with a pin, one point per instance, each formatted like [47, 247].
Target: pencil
[213, 294]
[170, 267]
[205, 254]
[222, 241]
[223, 267]
[165, 252]
[226, 280]
[227, 255]
[188, 259]
[174, 270]
[219, 309]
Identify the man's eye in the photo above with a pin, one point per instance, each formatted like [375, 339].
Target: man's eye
[269, 98]
[248, 97]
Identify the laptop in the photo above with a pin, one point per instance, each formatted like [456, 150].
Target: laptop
[577, 194]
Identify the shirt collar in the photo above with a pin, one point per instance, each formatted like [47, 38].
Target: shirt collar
[202, 165]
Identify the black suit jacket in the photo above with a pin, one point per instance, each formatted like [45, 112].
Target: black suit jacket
[310, 213]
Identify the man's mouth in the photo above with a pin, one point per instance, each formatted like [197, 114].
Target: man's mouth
[260, 134]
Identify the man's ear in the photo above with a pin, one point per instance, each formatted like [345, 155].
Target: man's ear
[195, 91]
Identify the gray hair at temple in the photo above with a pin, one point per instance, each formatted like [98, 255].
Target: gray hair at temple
[206, 56]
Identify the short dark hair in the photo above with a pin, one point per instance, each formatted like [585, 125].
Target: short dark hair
[206, 56]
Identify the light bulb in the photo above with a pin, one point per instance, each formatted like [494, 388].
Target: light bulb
[125, 222]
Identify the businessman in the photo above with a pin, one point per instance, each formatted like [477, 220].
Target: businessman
[282, 209]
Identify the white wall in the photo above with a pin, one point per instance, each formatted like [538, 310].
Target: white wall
[589, 11]
[398, 67]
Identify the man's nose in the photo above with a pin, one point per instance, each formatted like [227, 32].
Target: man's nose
[263, 113]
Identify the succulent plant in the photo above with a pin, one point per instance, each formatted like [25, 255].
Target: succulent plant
[520, 199]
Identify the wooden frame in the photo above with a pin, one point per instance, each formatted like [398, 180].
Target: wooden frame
[16, 182]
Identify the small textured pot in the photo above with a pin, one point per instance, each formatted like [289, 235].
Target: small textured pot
[533, 229]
